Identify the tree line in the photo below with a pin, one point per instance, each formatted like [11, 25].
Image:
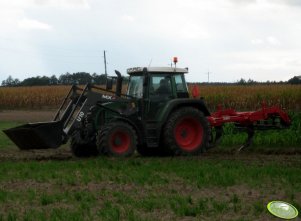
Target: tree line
[84, 78]
[63, 79]
[294, 80]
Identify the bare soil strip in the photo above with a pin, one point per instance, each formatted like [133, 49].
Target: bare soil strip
[27, 116]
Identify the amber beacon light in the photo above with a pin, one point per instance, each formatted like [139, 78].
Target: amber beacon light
[175, 60]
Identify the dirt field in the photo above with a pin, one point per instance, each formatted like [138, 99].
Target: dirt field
[64, 153]
[26, 116]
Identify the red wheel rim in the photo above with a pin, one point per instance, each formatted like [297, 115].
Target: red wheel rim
[188, 134]
[120, 141]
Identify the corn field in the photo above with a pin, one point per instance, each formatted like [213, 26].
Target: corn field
[38, 97]
[243, 98]
[240, 98]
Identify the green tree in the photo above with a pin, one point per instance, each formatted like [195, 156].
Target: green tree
[10, 82]
[295, 80]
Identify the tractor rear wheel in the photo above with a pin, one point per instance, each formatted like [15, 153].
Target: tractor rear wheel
[186, 132]
[82, 148]
[117, 139]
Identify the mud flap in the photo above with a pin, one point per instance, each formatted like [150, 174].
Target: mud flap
[42, 135]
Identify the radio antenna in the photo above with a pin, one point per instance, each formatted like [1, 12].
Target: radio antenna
[150, 63]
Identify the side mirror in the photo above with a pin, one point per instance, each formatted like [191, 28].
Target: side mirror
[109, 84]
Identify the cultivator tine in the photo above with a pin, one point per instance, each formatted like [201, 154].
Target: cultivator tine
[219, 134]
[215, 140]
[249, 141]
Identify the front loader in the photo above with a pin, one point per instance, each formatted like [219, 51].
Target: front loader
[52, 134]
[156, 116]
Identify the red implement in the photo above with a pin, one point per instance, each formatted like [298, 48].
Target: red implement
[263, 119]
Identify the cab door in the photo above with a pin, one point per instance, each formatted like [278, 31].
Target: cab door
[160, 92]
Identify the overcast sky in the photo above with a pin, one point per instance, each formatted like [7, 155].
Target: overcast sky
[232, 39]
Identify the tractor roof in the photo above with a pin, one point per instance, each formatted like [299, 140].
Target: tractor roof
[170, 70]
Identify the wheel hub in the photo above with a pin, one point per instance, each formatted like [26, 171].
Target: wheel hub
[189, 134]
[184, 133]
[117, 141]
[120, 141]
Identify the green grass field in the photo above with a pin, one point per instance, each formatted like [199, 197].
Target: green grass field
[214, 186]
[146, 189]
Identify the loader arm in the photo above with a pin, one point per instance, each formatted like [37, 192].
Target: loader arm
[52, 134]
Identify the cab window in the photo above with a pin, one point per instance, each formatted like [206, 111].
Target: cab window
[180, 83]
[160, 86]
[181, 87]
[135, 87]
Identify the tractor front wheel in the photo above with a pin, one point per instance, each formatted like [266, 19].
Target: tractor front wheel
[117, 139]
[186, 132]
[81, 147]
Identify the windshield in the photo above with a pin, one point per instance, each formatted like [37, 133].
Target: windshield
[135, 87]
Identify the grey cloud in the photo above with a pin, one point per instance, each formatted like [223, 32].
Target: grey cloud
[243, 2]
[60, 2]
[284, 2]
[287, 2]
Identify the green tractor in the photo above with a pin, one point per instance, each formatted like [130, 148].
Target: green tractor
[154, 117]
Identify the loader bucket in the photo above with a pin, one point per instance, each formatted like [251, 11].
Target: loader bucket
[41, 135]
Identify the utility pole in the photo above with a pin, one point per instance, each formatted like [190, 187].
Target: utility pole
[208, 74]
[105, 60]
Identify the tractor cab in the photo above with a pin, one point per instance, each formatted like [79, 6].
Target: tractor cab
[157, 83]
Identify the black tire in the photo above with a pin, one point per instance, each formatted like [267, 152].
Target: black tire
[81, 147]
[186, 132]
[151, 152]
[117, 139]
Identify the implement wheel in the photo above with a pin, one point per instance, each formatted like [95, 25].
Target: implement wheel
[186, 132]
[117, 139]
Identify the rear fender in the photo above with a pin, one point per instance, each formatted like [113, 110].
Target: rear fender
[175, 104]
[100, 121]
